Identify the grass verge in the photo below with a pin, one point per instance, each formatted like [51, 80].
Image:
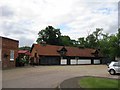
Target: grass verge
[97, 83]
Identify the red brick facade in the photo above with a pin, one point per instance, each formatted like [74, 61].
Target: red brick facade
[8, 46]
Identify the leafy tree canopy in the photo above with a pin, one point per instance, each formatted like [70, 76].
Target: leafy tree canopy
[66, 41]
[25, 48]
[50, 35]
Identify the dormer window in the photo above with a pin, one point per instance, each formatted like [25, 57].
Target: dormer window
[96, 53]
[62, 51]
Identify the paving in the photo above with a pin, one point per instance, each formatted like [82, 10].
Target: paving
[49, 76]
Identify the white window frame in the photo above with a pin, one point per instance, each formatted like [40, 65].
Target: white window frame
[11, 55]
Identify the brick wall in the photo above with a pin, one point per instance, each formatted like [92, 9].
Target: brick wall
[7, 46]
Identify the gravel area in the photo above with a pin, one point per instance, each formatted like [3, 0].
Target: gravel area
[49, 76]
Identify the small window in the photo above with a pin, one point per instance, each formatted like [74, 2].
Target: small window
[11, 55]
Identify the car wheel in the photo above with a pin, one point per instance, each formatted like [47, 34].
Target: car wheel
[112, 72]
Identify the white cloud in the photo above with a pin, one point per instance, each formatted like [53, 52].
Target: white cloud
[25, 18]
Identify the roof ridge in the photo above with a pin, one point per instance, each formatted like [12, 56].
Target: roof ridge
[65, 46]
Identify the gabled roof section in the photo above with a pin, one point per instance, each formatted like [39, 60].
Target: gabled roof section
[26, 52]
[62, 49]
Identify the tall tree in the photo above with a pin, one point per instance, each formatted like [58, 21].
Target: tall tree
[75, 43]
[105, 45]
[92, 40]
[65, 40]
[115, 44]
[50, 35]
[97, 33]
[110, 45]
[82, 42]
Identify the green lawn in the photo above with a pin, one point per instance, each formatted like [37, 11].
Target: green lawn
[93, 82]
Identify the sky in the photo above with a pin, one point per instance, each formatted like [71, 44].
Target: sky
[23, 19]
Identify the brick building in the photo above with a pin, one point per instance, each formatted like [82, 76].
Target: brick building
[8, 52]
[64, 55]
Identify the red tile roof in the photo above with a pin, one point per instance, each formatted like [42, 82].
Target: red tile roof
[52, 50]
[24, 52]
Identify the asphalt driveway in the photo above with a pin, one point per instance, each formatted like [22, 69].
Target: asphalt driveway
[49, 76]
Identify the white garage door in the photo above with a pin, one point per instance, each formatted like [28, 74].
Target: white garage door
[96, 61]
[63, 61]
[73, 61]
[84, 61]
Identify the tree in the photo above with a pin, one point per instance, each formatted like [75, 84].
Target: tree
[115, 44]
[75, 43]
[105, 45]
[91, 41]
[110, 45]
[25, 48]
[82, 42]
[97, 33]
[50, 35]
[65, 40]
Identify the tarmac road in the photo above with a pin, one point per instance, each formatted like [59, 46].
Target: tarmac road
[49, 76]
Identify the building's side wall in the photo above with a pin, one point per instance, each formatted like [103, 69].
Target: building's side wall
[7, 46]
[33, 52]
[34, 59]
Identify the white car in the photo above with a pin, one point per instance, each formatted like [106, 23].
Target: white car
[114, 68]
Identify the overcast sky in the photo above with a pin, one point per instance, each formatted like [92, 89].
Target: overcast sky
[23, 19]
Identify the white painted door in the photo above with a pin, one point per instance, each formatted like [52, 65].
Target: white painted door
[84, 61]
[96, 61]
[63, 61]
[73, 61]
